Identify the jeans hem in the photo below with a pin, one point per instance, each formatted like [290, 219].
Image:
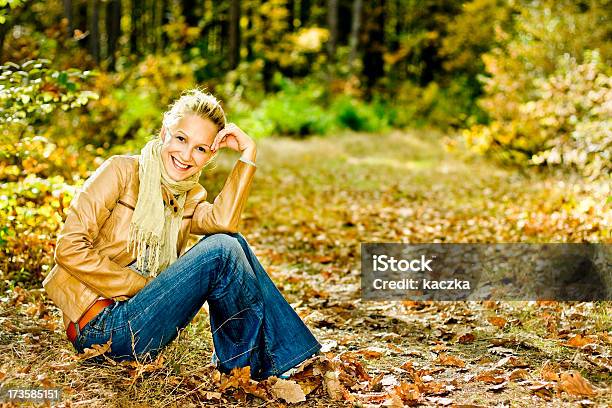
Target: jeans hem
[292, 363]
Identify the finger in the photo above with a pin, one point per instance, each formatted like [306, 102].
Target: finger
[221, 141]
[218, 137]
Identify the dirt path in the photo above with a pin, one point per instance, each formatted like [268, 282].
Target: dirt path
[312, 203]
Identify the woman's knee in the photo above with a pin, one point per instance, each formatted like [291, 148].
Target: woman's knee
[228, 243]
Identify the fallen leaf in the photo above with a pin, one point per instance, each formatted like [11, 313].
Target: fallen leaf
[548, 372]
[332, 385]
[490, 379]
[497, 321]
[94, 351]
[288, 390]
[518, 374]
[370, 353]
[408, 393]
[573, 383]
[578, 341]
[449, 360]
[466, 338]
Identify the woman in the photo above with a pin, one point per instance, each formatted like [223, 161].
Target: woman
[122, 272]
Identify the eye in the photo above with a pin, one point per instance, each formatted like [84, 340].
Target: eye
[202, 149]
[181, 138]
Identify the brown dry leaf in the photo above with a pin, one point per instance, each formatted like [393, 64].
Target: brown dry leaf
[511, 361]
[288, 390]
[488, 378]
[375, 381]
[573, 383]
[497, 321]
[209, 395]
[332, 385]
[449, 360]
[408, 393]
[542, 391]
[548, 372]
[578, 341]
[94, 351]
[369, 354]
[2, 375]
[466, 338]
[519, 374]
[408, 366]
[439, 347]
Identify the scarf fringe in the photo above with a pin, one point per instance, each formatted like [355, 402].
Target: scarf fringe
[138, 241]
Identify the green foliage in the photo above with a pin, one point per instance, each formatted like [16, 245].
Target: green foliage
[5, 5]
[33, 90]
[354, 114]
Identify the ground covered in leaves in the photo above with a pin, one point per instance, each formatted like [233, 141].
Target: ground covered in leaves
[312, 203]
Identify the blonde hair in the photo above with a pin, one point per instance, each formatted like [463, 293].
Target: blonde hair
[196, 102]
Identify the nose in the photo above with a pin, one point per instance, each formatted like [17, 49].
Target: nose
[186, 155]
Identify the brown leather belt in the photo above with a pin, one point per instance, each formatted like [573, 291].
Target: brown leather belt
[87, 316]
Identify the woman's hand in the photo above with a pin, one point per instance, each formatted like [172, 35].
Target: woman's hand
[232, 137]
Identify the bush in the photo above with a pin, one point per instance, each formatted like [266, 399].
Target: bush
[354, 114]
[566, 121]
[548, 99]
[31, 213]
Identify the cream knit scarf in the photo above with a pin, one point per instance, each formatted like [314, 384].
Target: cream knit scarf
[153, 231]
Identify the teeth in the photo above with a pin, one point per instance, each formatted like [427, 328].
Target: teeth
[182, 166]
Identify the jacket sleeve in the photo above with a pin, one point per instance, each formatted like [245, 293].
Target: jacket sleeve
[223, 215]
[74, 250]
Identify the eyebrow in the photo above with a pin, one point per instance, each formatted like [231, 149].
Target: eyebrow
[187, 136]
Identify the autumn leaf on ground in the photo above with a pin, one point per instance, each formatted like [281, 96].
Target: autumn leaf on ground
[334, 388]
[573, 383]
[518, 374]
[548, 372]
[408, 393]
[497, 321]
[449, 360]
[94, 351]
[578, 341]
[370, 353]
[490, 378]
[466, 338]
[288, 390]
[240, 379]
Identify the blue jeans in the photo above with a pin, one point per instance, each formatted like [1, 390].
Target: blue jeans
[252, 324]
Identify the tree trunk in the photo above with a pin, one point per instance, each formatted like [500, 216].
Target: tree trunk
[234, 34]
[290, 15]
[373, 62]
[355, 28]
[332, 23]
[113, 29]
[304, 12]
[69, 16]
[135, 22]
[94, 27]
[190, 11]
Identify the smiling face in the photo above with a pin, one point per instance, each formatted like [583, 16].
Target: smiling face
[186, 146]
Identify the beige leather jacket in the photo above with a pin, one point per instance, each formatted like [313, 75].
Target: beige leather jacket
[91, 255]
